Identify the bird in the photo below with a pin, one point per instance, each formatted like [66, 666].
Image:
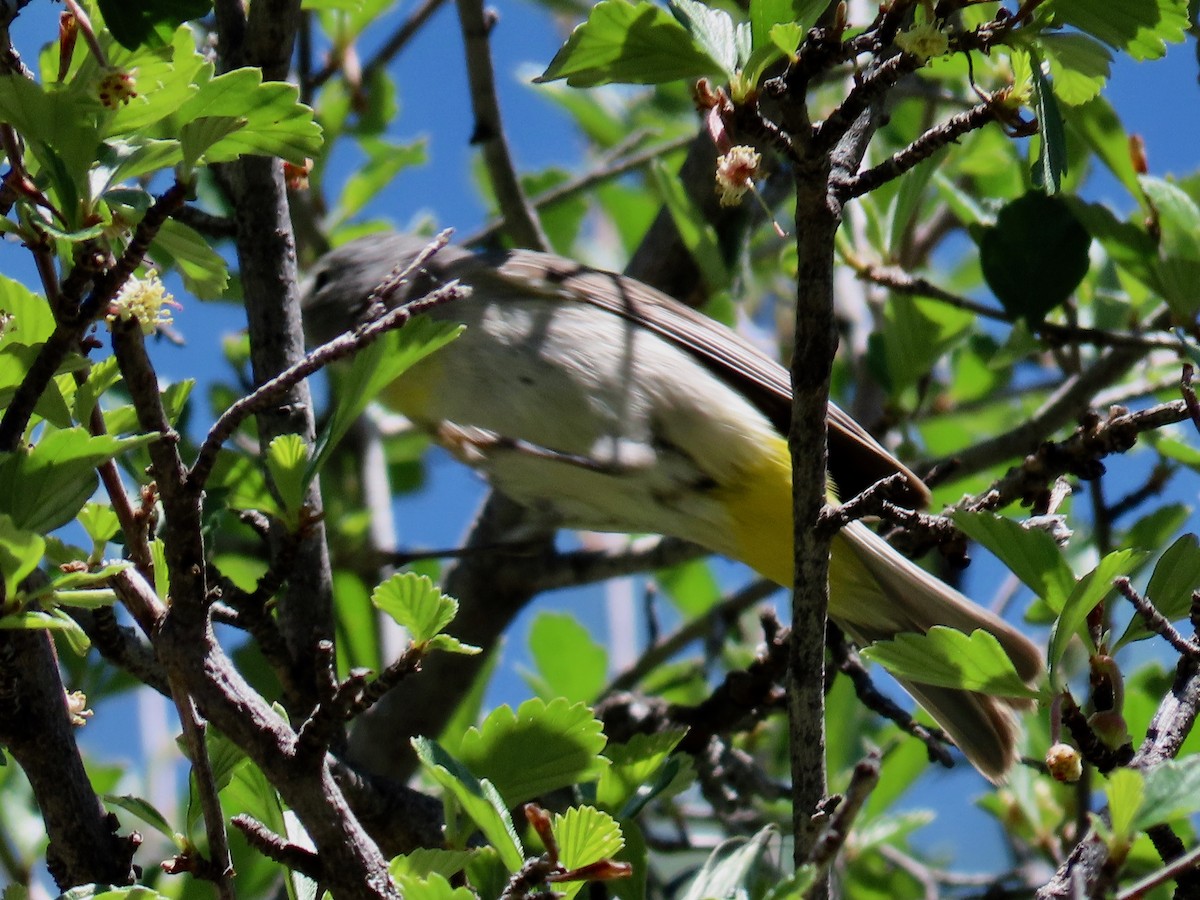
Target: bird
[606, 405]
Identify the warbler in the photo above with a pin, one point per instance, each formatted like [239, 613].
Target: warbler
[610, 406]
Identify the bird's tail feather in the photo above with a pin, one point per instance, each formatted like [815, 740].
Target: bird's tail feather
[877, 594]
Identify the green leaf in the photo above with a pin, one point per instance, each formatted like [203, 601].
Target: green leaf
[1175, 576]
[20, 552]
[584, 835]
[570, 662]
[145, 811]
[696, 232]
[477, 798]
[43, 488]
[1051, 163]
[1178, 266]
[376, 367]
[1172, 792]
[633, 765]
[1035, 255]
[798, 15]
[149, 21]
[630, 43]
[949, 658]
[539, 748]
[414, 602]
[204, 271]
[1097, 124]
[431, 887]
[32, 321]
[274, 122]
[100, 523]
[728, 870]
[1090, 590]
[1141, 28]
[916, 334]
[711, 29]
[60, 126]
[1079, 66]
[1030, 553]
[385, 160]
[1125, 789]
[425, 861]
[287, 461]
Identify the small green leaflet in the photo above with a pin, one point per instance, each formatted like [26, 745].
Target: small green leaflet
[415, 603]
[949, 658]
[1029, 553]
[584, 835]
[1088, 593]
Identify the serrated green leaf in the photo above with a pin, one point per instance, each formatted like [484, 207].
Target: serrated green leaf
[1175, 576]
[1029, 553]
[1141, 28]
[477, 797]
[570, 662]
[100, 523]
[276, 123]
[1088, 593]
[949, 658]
[415, 603]
[630, 43]
[539, 748]
[1079, 66]
[584, 835]
[445, 643]
[31, 323]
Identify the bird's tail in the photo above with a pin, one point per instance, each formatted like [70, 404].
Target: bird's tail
[877, 593]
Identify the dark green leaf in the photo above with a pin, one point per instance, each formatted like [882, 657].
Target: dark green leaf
[137, 22]
[1034, 256]
[1051, 163]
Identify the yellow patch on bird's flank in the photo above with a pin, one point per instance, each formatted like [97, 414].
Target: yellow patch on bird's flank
[414, 393]
[758, 500]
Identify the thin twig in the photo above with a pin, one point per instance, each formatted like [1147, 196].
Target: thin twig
[522, 221]
[292, 856]
[220, 866]
[841, 820]
[1141, 888]
[339, 348]
[1156, 621]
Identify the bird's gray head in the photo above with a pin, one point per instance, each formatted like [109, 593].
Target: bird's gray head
[334, 293]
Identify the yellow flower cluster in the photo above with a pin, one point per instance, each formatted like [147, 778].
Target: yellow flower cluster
[144, 300]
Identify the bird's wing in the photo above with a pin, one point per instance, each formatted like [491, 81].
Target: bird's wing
[856, 459]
